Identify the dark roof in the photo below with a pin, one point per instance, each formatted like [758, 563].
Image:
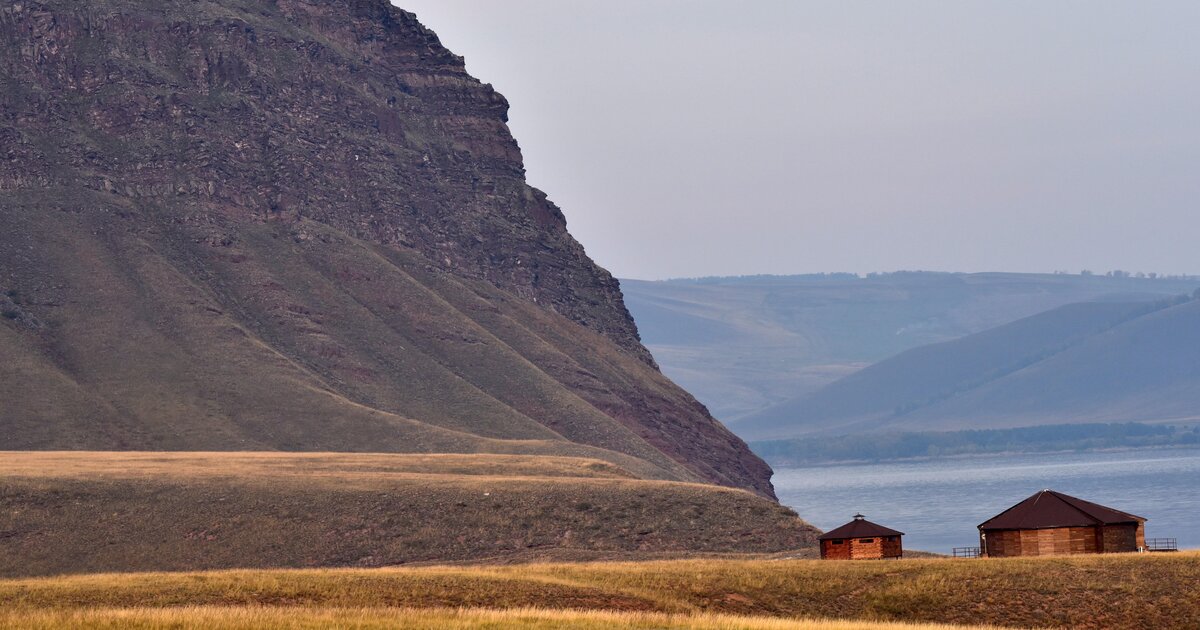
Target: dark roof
[859, 528]
[1054, 509]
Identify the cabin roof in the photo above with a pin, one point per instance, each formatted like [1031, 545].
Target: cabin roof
[859, 528]
[1048, 509]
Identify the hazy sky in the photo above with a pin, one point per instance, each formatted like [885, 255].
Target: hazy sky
[688, 138]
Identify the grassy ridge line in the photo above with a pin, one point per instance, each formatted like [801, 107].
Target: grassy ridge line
[1100, 592]
[220, 618]
[92, 464]
[251, 517]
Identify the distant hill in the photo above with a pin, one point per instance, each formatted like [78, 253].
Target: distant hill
[744, 344]
[1081, 363]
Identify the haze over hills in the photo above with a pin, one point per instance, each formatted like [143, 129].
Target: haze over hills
[300, 225]
[1081, 363]
[745, 344]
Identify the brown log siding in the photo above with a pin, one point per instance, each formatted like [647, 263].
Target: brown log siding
[835, 550]
[1063, 541]
[856, 549]
[1123, 538]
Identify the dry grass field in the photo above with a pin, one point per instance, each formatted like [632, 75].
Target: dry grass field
[341, 467]
[222, 618]
[81, 512]
[1099, 592]
[277, 523]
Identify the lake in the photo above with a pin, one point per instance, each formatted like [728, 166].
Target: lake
[938, 503]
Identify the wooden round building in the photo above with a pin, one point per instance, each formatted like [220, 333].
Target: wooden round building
[1050, 522]
[861, 539]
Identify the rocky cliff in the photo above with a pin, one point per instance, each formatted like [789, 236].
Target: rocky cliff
[350, 113]
[300, 225]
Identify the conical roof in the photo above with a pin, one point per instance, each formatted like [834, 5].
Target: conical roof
[860, 527]
[1048, 509]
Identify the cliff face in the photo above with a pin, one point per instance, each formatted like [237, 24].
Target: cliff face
[299, 224]
[350, 113]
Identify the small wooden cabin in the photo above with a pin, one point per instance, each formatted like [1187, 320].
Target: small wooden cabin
[861, 539]
[1050, 522]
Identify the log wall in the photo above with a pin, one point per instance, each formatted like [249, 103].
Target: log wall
[835, 549]
[1123, 538]
[1040, 542]
[892, 547]
[857, 549]
[1062, 541]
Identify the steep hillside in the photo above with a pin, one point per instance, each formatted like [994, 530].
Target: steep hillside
[300, 225]
[744, 344]
[1090, 362]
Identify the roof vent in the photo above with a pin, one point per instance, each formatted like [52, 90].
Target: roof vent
[859, 517]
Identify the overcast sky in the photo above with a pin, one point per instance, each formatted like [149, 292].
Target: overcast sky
[690, 138]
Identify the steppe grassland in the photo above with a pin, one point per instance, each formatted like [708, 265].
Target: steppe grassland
[1114, 591]
[221, 618]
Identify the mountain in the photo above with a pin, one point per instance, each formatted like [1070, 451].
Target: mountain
[744, 344]
[300, 225]
[1081, 363]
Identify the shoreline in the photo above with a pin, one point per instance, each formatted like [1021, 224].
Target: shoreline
[780, 464]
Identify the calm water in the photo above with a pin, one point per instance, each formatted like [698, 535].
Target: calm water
[938, 504]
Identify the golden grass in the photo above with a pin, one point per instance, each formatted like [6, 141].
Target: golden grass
[89, 512]
[1116, 591]
[221, 618]
[257, 464]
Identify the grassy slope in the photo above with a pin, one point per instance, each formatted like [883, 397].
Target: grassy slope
[65, 512]
[1125, 591]
[161, 341]
[340, 466]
